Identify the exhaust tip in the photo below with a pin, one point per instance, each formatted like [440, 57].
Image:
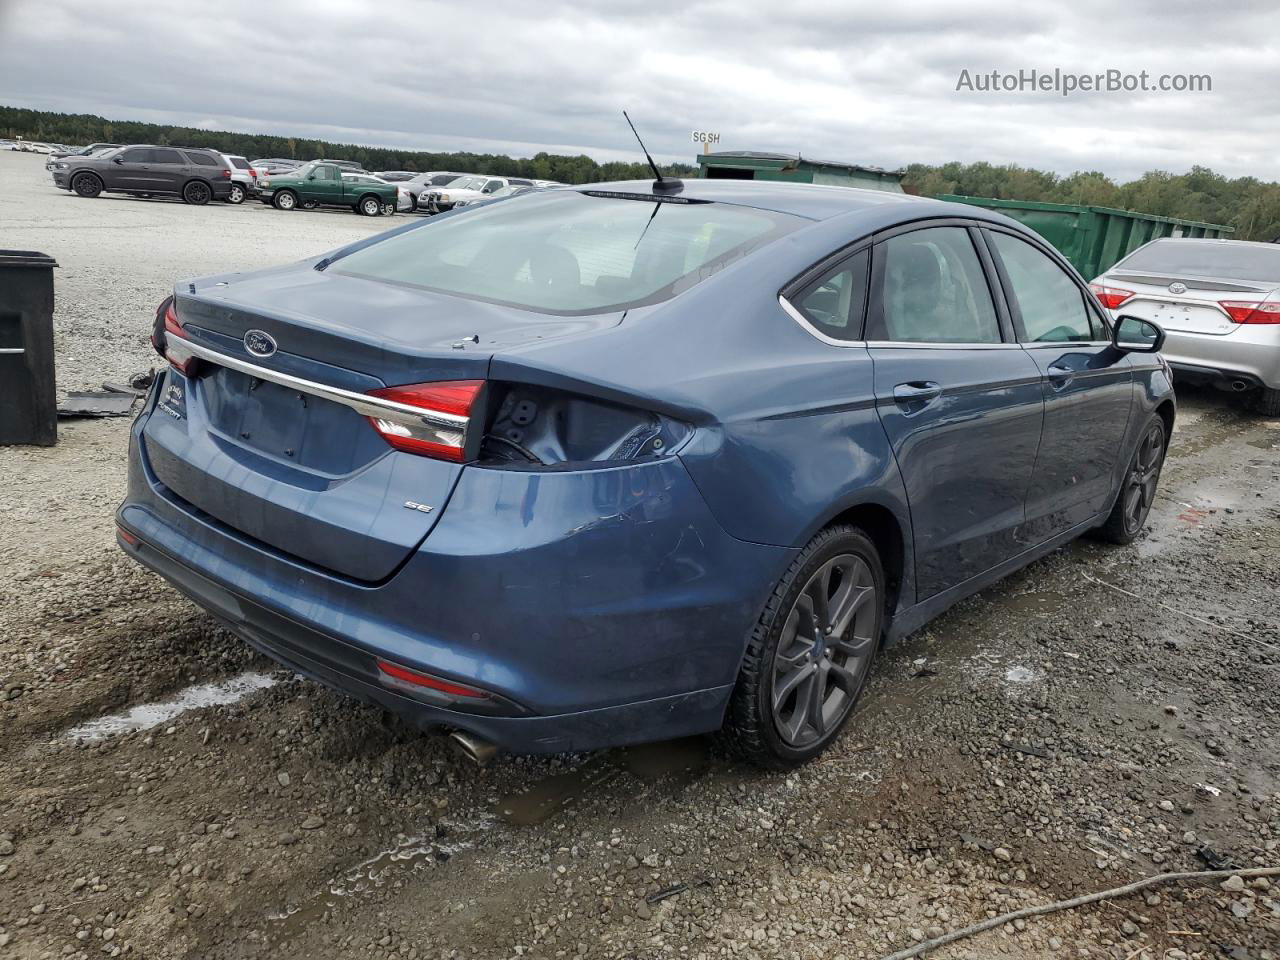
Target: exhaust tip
[1239, 386]
[475, 749]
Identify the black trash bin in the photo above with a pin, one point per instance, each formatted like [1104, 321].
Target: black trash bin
[28, 402]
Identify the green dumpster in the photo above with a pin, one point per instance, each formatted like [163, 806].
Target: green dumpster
[1094, 238]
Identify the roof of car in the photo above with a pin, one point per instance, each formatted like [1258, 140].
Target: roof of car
[808, 200]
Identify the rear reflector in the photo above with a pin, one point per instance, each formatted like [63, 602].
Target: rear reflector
[175, 351]
[446, 418]
[1252, 311]
[416, 679]
[126, 536]
[1110, 297]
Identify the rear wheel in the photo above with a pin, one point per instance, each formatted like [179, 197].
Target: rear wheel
[86, 185]
[388, 209]
[237, 194]
[197, 193]
[810, 653]
[369, 206]
[1267, 402]
[1138, 490]
[285, 200]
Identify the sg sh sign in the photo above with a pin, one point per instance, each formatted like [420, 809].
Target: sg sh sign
[706, 138]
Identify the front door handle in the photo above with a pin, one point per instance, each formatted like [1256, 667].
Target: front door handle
[1059, 375]
[917, 391]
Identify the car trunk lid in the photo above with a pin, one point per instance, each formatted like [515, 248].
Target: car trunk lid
[273, 442]
[1184, 304]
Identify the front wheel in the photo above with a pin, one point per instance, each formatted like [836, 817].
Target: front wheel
[86, 185]
[809, 655]
[1138, 488]
[285, 200]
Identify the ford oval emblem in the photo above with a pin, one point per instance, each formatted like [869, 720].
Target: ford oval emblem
[260, 344]
[1177, 288]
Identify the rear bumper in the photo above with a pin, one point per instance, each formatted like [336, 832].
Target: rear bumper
[607, 606]
[1251, 353]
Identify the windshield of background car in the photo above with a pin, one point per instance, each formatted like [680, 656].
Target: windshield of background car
[569, 252]
[1211, 258]
[467, 183]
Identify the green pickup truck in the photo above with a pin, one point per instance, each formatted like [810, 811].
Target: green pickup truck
[320, 184]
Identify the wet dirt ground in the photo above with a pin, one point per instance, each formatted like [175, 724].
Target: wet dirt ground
[1104, 715]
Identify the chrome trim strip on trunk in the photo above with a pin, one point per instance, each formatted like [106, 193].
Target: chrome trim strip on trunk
[362, 403]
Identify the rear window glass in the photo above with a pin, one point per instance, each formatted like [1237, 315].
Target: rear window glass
[203, 159]
[240, 163]
[570, 253]
[1211, 258]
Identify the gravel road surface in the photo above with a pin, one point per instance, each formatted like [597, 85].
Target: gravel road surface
[1105, 715]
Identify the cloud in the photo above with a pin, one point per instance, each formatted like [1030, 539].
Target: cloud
[867, 83]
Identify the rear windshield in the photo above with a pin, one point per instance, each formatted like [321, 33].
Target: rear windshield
[570, 253]
[1207, 258]
[240, 163]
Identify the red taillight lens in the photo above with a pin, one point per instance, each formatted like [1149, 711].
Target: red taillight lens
[1252, 311]
[416, 679]
[434, 419]
[175, 351]
[226, 174]
[1110, 297]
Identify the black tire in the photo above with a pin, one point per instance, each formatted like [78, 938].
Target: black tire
[1138, 488]
[197, 193]
[756, 722]
[237, 194]
[86, 185]
[369, 206]
[1267, 402]
[284, 200]
[388, 209]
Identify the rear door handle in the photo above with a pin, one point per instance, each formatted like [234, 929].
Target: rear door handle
[917, 391]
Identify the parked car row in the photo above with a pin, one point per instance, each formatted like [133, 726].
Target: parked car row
[198, 175]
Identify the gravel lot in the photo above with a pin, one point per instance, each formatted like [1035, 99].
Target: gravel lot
[1103, 716]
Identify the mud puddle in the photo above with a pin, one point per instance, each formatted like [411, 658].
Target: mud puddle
[148, 715]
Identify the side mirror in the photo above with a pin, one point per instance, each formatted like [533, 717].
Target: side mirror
[311, 176]
[117, 159]
[1135, 335]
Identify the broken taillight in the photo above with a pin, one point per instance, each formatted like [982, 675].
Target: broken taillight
[175, 349]
[440, 420]
[1110, 297]
[1252, 311]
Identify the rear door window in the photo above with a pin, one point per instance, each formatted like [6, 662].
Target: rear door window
[935, 290]
[1051, 306]
[166, 156]
[835, 303]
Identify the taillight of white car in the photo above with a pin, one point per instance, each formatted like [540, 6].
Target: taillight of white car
[1252, 311]
[1110, 297]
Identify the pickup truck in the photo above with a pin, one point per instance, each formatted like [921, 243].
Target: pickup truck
[320, 184]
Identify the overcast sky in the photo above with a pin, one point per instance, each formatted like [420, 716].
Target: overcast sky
[871, 83]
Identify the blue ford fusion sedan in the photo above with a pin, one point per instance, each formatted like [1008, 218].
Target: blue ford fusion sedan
[632, 461]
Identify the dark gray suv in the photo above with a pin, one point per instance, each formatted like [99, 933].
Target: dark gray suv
[197, 176]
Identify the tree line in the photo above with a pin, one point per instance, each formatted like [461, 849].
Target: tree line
[1250, 205]
[83, 128]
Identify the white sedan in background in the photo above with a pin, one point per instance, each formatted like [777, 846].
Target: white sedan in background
[1218, 302]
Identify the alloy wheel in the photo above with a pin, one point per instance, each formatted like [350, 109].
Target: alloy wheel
[824, 651]
[1144, 473]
